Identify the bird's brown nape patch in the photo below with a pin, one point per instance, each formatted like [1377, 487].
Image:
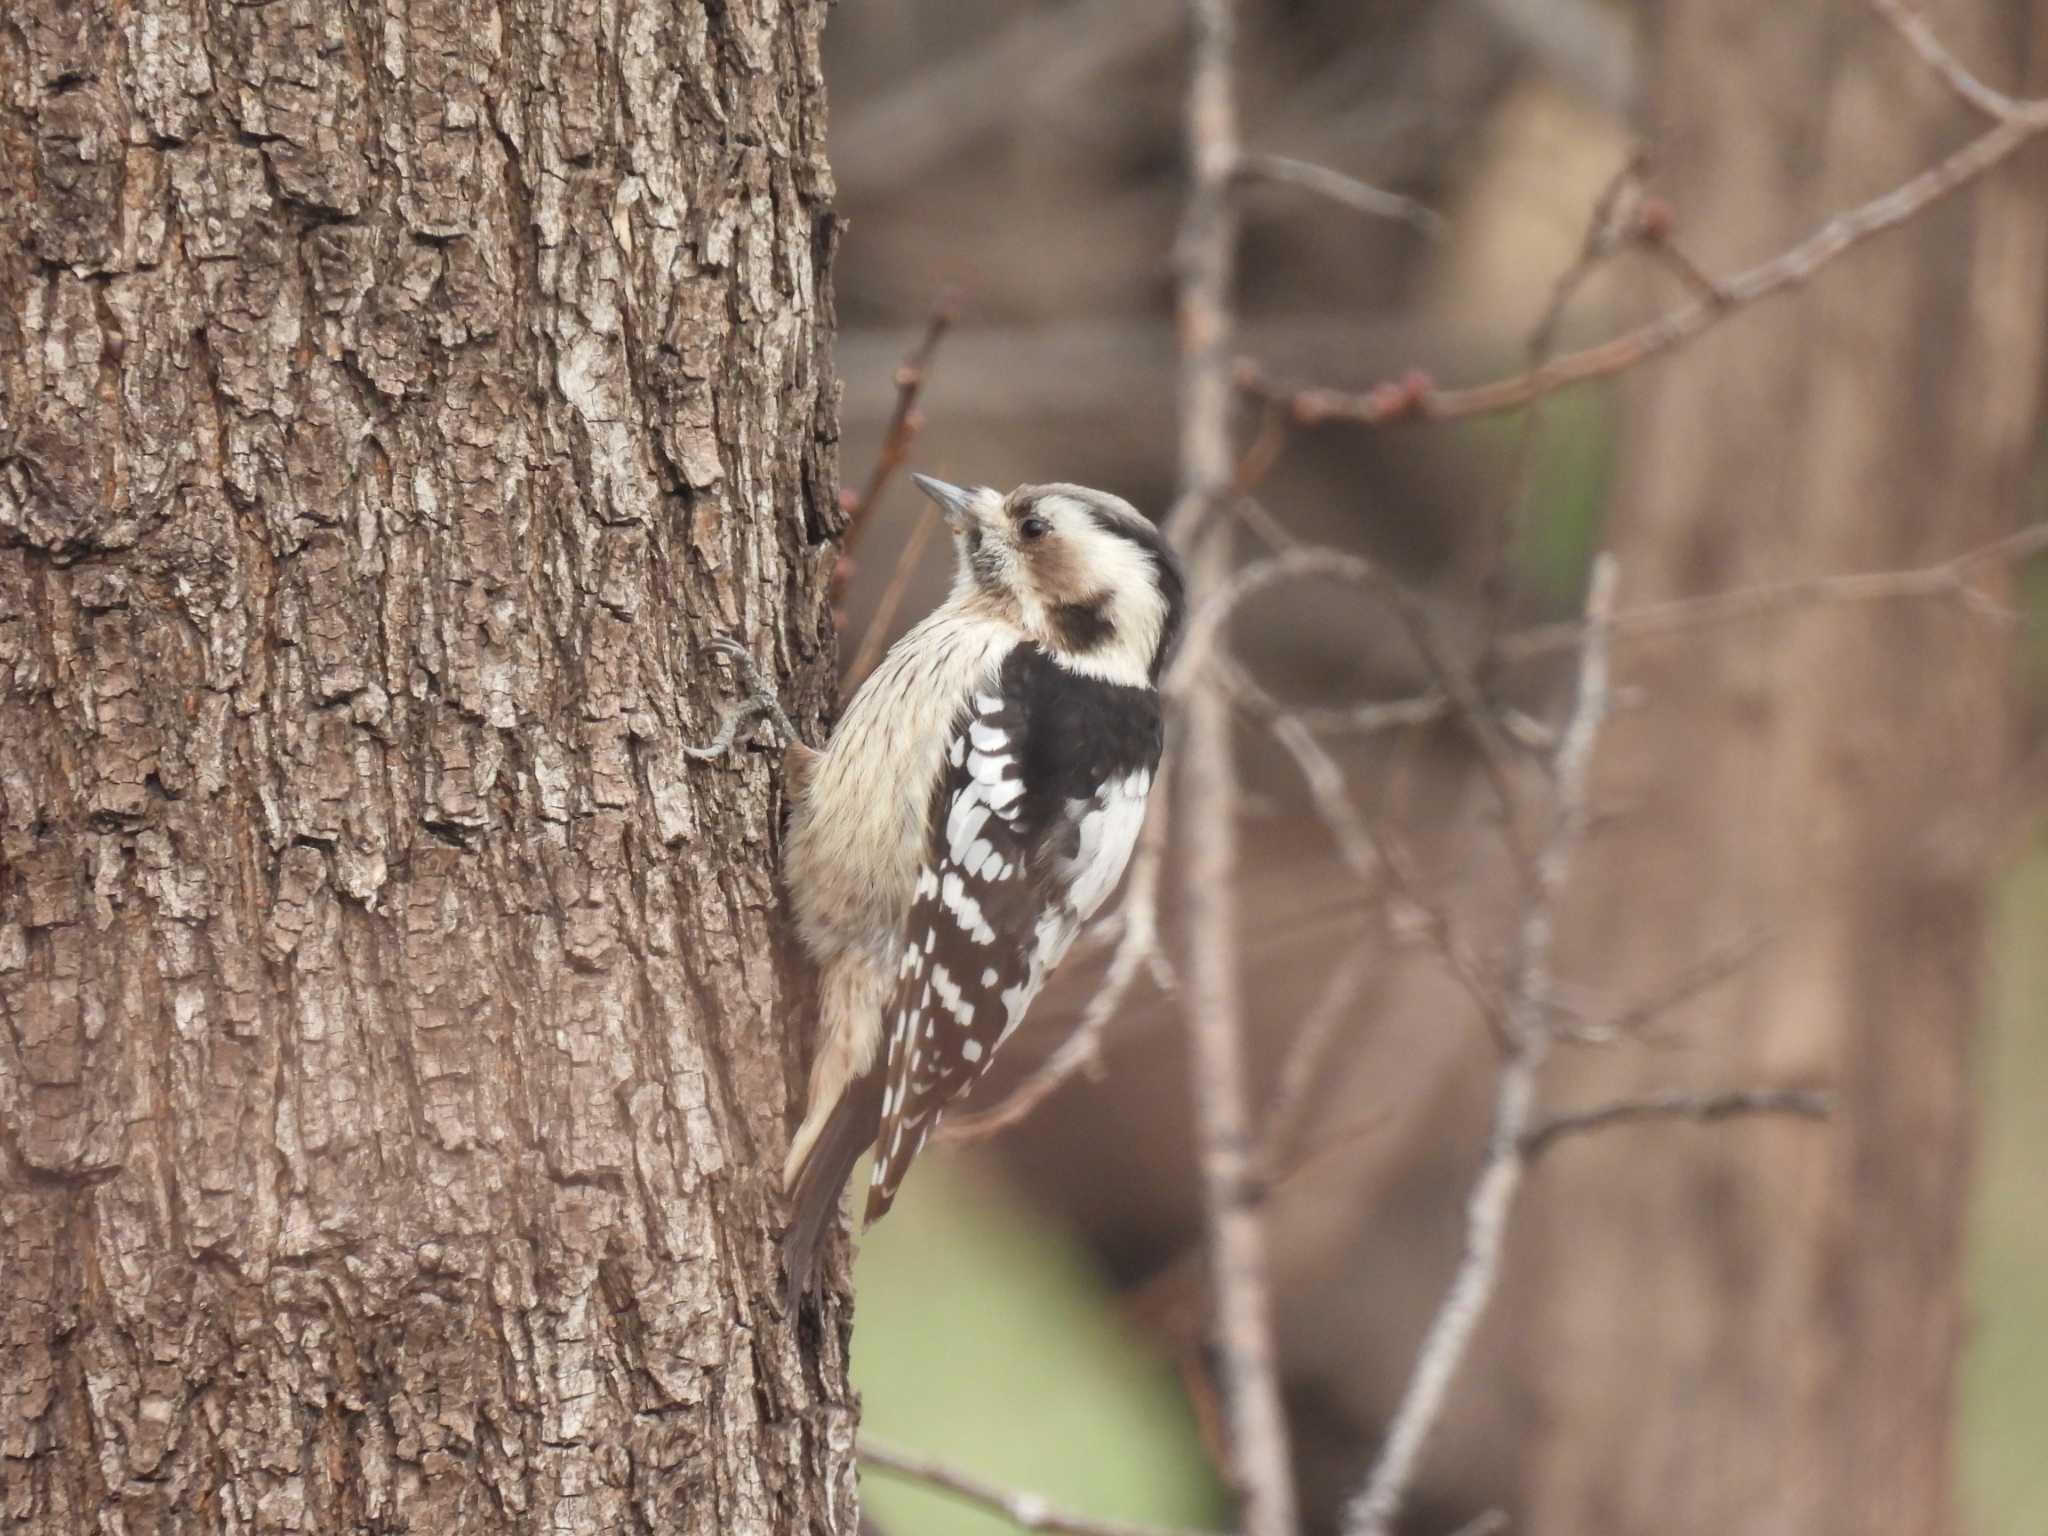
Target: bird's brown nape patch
[1084, 626]
[1058, 574]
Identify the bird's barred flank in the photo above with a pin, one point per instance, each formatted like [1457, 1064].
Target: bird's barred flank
[977, 805]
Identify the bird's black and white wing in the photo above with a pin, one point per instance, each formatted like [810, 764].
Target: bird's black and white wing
[1033, 821]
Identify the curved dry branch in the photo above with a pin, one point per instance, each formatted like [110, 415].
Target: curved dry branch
[1027, 1511]
[1416, 397]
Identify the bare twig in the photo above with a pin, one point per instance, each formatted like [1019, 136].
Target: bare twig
[1375, 715]
[1294, 563]
[1803, 1103]
[1951, 579]
[1307, 1060]
[1371, 850]
[1304, 1156]
[904, 425]
[1912, 26]
[1417, 398]
[1456, 683]
[1260, 1466]
[1455, 686]
[1260, 455]
[1701, 976]
[1372, 1511]
[1608, 226]
[1027, 1511]
[904, 421]
[879, 623]
[1366, 719]
[1347, 191]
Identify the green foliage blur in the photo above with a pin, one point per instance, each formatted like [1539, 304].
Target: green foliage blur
[2005, 1372]
[985, 1339]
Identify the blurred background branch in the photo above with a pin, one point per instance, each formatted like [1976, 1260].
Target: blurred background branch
[1529, 1039]
[1258, 1462]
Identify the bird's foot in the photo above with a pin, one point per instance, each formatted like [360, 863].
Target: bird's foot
[760, 701]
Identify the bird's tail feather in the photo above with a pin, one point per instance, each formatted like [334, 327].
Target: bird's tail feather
[847, 1133]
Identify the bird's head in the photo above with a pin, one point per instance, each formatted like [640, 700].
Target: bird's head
[1081, 572]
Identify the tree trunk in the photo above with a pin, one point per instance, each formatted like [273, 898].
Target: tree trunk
[1755, 1328]
[397, 1047]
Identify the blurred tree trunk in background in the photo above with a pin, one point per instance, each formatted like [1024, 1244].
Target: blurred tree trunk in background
[1756, 1328]
[392, 401]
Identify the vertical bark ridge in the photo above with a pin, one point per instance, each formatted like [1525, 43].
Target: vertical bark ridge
[393, 399]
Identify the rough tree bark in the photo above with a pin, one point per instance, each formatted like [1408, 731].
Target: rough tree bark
[1756, 1328]
[393, 399]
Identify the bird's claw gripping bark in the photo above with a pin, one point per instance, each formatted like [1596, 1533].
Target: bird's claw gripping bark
[760, 701]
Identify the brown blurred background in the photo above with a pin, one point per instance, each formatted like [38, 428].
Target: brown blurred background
[1746, 1327]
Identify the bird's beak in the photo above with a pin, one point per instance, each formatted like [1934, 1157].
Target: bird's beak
[955, 503]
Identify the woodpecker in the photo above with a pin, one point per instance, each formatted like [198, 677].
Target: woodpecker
[976, 804]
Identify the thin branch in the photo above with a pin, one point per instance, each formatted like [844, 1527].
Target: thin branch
[1701, 976]
[1458, 689]
[1027, 1511]
[1346, 191]
[1415, 397]
[1303, 1157]
[1912, 26]
[904, 421]
[1372, 1511]
[884, 617]
[1366, 719]
[1373, 716]
[1950, 579]
[1371, 850]
[904, 425]
[1456, 683]
[1260, 1465]
[1308, 1060]
[1609, 224]
[1292, 564]
[1706, 1108]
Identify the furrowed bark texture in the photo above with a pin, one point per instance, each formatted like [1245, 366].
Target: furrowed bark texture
[393, 399]
[1755, 1328]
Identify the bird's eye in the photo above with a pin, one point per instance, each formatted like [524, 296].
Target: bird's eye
[1034, 527]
